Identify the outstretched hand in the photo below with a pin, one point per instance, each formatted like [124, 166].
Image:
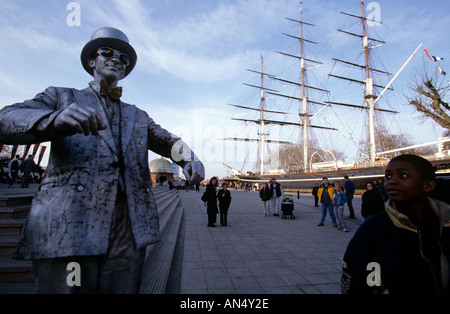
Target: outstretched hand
[194, 171]
[79, 119]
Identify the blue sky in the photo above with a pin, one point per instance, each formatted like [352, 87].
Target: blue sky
[193, 57]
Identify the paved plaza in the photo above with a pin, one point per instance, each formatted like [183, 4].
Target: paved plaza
[262, 255]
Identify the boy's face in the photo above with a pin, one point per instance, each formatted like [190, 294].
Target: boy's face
[403, 183]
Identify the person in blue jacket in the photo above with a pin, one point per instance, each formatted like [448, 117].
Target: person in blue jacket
[406, 248]
[339, 201]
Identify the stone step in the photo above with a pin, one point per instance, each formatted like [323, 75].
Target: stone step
[11, 226]
[15, 271]
[15, 211]
[8, 244]
[12, 200]
[17, 288]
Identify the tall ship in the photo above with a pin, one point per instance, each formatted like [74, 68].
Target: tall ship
[308, 162]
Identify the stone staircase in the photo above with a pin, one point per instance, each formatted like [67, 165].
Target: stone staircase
[159, 256]
[16, 277]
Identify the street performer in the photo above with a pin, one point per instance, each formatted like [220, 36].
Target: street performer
[95, 206]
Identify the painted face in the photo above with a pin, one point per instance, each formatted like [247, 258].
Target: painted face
[109, 65]
[403, 183]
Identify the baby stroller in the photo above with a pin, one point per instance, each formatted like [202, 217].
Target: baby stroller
[287, 207]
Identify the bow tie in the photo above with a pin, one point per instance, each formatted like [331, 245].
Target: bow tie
[114, 93]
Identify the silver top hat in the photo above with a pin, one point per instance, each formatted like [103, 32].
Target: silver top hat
[112, 38]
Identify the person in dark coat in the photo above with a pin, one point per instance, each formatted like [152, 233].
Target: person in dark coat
[211, 202]
[264, 194]
[27, 167]
[316, 196]
[372, 201]
[224, 197]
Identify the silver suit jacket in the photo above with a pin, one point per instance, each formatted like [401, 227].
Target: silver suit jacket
[72, 212]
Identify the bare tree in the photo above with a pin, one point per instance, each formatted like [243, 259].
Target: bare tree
[429, 98]
[290, 157]
[386, 141]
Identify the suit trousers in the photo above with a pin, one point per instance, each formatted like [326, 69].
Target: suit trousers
[275, 204]
[119, 271]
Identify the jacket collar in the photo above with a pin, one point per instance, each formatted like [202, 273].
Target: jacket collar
[441, 209]
[89, 96]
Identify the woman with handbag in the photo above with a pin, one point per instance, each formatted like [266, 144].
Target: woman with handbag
[210, 198]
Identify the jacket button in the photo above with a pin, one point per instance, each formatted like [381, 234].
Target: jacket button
[80, 188]
[141, 142]
[148, 190]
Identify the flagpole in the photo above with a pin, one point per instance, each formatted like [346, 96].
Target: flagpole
[401, 69]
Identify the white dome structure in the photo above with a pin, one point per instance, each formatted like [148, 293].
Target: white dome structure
[160, 165]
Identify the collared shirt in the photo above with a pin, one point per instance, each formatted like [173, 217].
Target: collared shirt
[113, 113]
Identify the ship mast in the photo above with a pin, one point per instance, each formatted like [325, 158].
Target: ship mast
[262, 140]
[304, 100]
[305, 117]
[368, 82]
[369, 89]
[262, 135]
[304, 114]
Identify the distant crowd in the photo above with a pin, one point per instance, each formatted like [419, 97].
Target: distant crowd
[21, 170]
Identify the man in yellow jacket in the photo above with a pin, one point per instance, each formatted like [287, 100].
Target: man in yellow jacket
[325, 193]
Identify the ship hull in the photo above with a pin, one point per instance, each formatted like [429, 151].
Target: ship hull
[360, 176]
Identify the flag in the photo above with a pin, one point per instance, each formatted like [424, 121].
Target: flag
[442, 71]
[432, 58]
[25, 151]
[41, 154]
[35, 149]
[14, 151]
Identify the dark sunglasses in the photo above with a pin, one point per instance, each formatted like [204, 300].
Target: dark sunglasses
[109, 53]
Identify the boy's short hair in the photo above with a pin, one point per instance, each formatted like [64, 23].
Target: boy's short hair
[420, 164]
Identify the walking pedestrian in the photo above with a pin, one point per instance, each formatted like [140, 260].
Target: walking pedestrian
[27, 168]
[316, 196]
[13, 169]
[349, 189]
[224, 198]
[211, 201]
[382, 190]
[264, 194]
[339, 201]
[276, 196]
[371, 201]
[406, 248]
[325, 193]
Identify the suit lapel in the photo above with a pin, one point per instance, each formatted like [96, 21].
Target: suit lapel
[128, 115]
[87, 97]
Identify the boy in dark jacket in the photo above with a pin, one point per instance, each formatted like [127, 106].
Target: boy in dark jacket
[405, 249]
[224, 197]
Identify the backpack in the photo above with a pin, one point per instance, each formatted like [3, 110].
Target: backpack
[204, 198]
[15, 165]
